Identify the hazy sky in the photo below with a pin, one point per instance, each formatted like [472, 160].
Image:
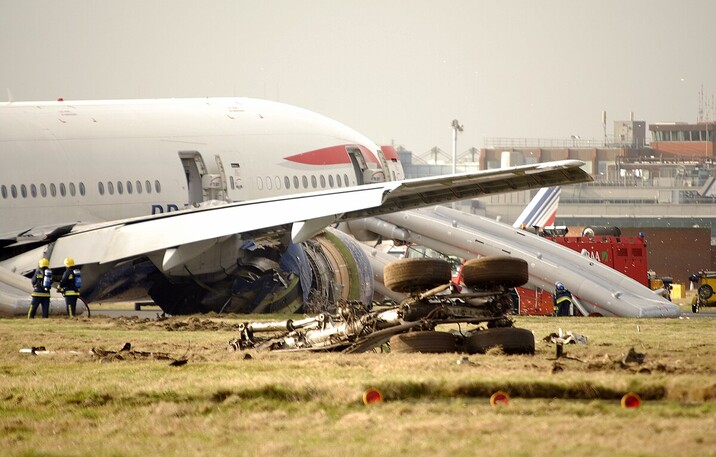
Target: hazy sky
[394, 70]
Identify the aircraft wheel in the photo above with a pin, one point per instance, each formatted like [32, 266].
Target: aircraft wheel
[695, 308]
[511, 340]
[416, 275]
[705, 292]
[425, 342]
[495, 271]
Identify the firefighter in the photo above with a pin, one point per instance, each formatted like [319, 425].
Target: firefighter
[562, 300]
[41, 283]
[70, 285]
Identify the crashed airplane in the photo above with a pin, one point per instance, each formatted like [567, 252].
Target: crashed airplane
[208, 204]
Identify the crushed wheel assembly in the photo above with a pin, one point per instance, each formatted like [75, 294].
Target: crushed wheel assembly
[411, 275]
[485, 272]
[512, 341]
[409, 326]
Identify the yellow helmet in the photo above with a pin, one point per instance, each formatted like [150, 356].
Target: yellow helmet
[43, 263]
[69, 262]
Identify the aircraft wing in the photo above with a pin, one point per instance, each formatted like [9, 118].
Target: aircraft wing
[183, 232]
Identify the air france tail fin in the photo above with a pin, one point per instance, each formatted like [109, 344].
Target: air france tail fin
[542, 210]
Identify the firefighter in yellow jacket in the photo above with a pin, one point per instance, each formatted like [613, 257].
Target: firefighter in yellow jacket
[41, 283]
[70, 285]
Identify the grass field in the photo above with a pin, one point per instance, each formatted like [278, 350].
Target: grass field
[224, 403]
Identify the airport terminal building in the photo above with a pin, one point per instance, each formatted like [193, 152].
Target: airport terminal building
[664, 188]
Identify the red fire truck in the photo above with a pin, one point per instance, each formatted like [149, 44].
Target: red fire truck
[605, 245]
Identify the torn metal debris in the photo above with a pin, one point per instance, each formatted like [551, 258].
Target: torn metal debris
[127, 353]
[566, 338]
[409, 326]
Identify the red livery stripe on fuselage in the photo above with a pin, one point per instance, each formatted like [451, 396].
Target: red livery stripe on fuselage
[333, 155]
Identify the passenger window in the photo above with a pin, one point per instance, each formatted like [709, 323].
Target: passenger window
[157, 186]
[330, 181]
[73, 189]
[231, 182]
[345, 180]
[13, 190]
[110, 187]
[305, 182]
[269, 185]
[100, 187]
[3, 189]
[23, 191]
[338, 179]
[323, 182]
[120, 188]
[43, 190]
[129, 187]
[295, 182]
[63, 189]
[139, 186]
[314, 183]
[53, 189]
[286, 182]
[259, 183]
[277, 182]
[33, 190]
[148, 186]
[82, 189]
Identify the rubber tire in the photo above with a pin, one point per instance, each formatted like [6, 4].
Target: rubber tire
[512, 340]
[495, 271]
[425, 342]
[705, 292]
[416, 275]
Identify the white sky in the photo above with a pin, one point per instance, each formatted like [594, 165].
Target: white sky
[393, 70]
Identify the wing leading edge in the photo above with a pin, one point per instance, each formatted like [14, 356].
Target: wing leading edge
[305, 214]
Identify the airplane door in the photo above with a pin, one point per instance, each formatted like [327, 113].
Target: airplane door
[194, 169]
[221, 193]
[359, 165]
[386, 168]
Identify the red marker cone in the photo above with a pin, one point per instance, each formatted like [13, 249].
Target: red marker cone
[371, 396]
[631, 400]
[499, 398]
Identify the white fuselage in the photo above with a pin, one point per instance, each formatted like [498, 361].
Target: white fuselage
[104, 160]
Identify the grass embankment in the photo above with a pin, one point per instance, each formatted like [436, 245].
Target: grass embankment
[72, 402]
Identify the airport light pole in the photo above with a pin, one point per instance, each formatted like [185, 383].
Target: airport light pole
[456, 127]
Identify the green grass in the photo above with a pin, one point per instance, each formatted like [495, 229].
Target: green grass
[221, 403]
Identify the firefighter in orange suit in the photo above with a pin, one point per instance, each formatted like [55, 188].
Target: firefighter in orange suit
[41, 283]
[70, 285]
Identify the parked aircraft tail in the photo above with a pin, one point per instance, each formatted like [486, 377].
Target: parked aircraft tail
[542, 210]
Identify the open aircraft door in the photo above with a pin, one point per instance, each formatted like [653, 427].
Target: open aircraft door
[194, 169]
[359, 165]
[217, 183]
[202, 185]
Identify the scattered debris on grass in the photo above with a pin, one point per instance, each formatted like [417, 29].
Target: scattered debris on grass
[633, 356]
[126, 353]
[566, 338]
